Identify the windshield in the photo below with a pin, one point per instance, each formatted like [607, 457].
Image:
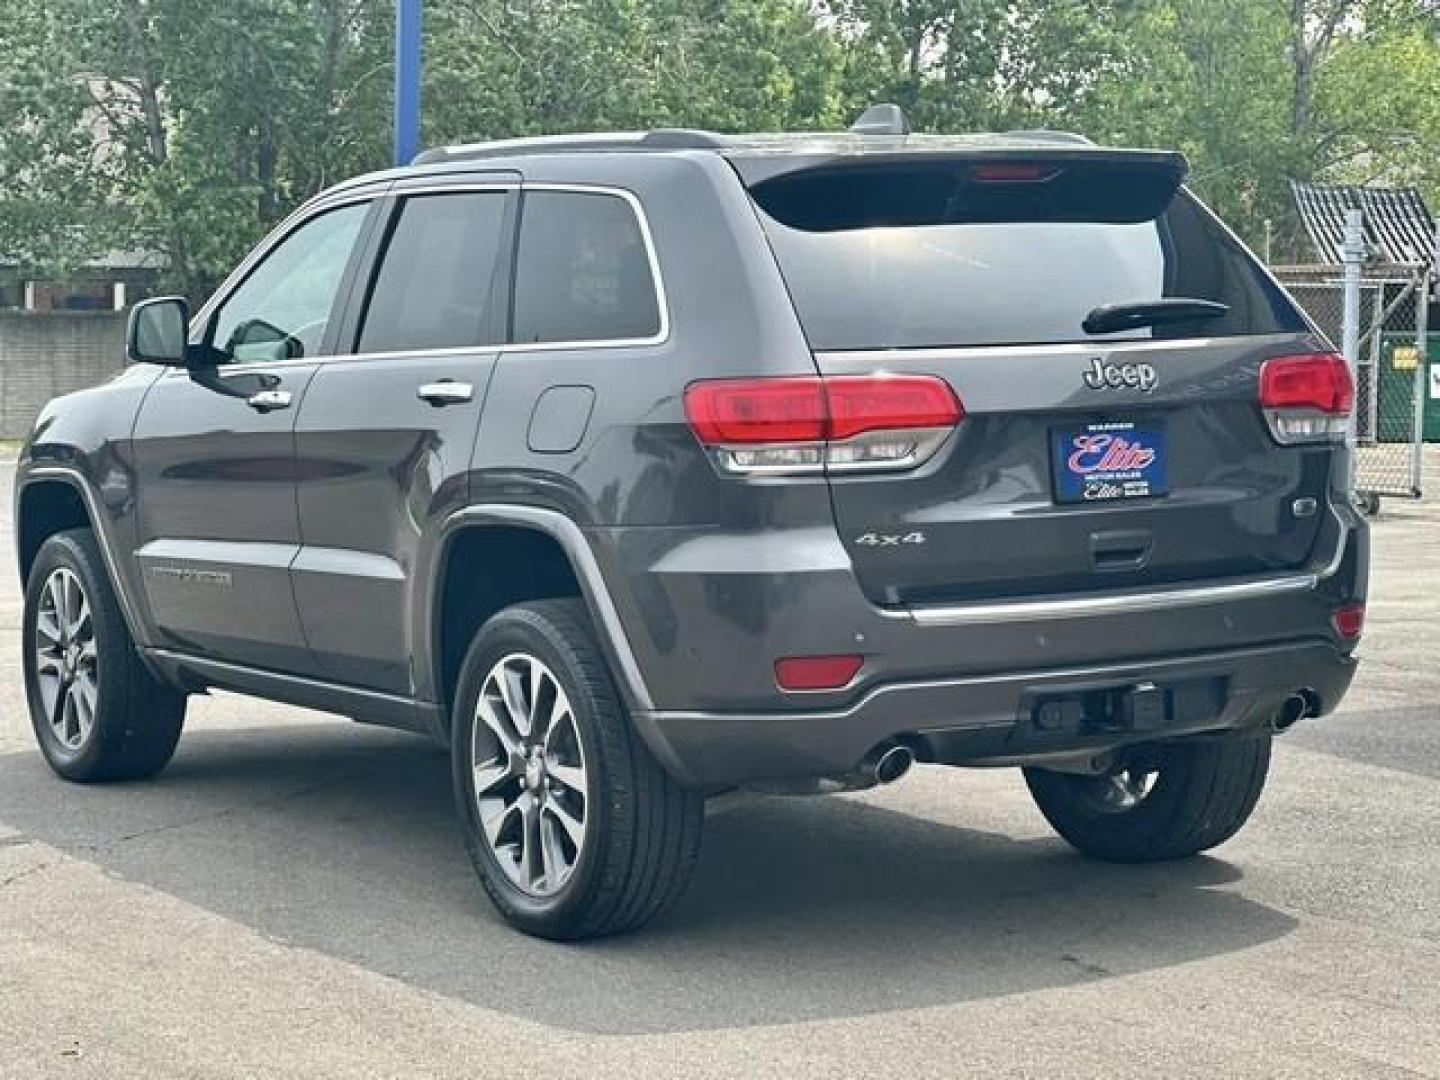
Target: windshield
[883, 257]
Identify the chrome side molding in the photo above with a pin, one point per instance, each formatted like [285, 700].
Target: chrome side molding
[1080, 607]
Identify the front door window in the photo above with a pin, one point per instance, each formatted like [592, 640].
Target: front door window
[281, 311]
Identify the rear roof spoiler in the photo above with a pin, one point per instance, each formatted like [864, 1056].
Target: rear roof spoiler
[1034, 184]
[756, 166]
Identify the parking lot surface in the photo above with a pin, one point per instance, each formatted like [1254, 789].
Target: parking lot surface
[290, 898]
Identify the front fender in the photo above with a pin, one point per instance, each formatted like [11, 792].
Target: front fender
[82, 440]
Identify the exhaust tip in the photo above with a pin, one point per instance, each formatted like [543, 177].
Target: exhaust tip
[893, 763]
[1291, 711]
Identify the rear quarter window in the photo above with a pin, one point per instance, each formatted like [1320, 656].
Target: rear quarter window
[924, 256]
[583, 271]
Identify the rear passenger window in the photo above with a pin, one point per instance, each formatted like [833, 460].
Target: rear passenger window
[583, 272]
[433, 290]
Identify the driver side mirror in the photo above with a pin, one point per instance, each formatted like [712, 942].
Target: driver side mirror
[157, 331]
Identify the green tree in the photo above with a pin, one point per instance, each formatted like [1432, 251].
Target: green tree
[1211, 78]
[189, 127]
[54, 170]
[1380, 97]
[500, 69]
[177, 126]
[976, 64]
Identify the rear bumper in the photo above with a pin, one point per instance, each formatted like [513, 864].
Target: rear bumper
[704, 614]
[993, 720]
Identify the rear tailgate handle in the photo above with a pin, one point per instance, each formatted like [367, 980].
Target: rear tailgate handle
[1121, 549]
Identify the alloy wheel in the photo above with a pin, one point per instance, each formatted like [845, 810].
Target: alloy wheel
[1121, 790]
[65, 659]
[530, 780]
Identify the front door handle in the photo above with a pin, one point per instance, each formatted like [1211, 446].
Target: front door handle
[445, 392]
[269, 400]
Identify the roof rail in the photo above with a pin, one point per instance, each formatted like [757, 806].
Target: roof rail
[1051, 135]
[876, 121]
[682, 139]
[657, 139]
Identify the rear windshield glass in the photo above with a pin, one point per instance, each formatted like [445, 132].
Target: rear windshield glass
[910, 256]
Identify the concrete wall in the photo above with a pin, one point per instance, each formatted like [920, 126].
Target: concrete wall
[46, 354]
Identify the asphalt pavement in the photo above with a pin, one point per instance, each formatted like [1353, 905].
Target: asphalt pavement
[291, 898]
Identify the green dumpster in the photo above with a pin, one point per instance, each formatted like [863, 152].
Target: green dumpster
[1398, 360]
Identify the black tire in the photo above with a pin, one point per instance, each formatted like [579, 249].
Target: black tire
[1201, 795]
[642, 829]
[136, 720]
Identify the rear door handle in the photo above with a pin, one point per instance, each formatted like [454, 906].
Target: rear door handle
[269, 400]
[445, 392]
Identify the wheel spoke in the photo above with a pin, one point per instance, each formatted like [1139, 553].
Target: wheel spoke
[87, 689]
[552, 856]
[487, 712]
[494, 823]
[1123, 790]
[83, 693]
[538, 677]
[492, 774]
[1120, 791]
[81, 627]
[74, 598]
[572, 825]
[559, 715]
[58, 601]
[47, 625]
[57, 711]
[70, 718]
[530, 868]
[572, 777]
[512, 690]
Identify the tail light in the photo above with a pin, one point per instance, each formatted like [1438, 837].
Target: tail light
[813, 423]
[1349, 621]
[817, 672]
[1307, 398]
[1013, 172]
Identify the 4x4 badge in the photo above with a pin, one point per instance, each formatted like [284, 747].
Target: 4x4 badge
[890, 539]
[1103, 376]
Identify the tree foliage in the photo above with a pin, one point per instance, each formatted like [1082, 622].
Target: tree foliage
[189, 127]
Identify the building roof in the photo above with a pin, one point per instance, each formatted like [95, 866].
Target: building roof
[1399, 227]
[110, 262]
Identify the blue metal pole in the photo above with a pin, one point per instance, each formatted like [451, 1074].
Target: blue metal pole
[407, 80]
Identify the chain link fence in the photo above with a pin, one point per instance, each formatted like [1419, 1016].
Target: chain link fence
[1397, 368]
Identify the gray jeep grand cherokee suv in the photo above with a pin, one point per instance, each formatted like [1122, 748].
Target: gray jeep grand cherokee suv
[634, 468]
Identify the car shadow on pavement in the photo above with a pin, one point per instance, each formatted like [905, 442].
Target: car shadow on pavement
[341, 840]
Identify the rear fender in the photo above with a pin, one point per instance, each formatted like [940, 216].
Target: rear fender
[576, 545]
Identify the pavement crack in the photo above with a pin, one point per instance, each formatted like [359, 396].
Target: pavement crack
[28, 872]
[231, 811]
